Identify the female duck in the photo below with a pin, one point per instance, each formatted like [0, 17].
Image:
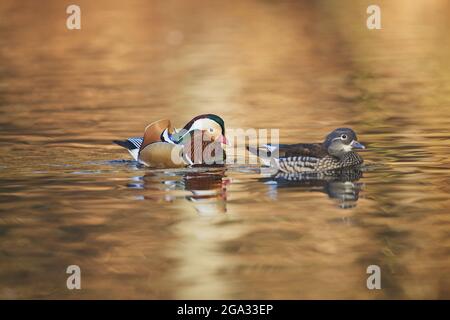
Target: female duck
[335, 153]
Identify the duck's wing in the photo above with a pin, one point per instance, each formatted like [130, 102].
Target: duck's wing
[313, 150]
[155, 132]
[132, 145]
[158, 131]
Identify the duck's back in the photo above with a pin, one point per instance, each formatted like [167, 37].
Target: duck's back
[314, 150]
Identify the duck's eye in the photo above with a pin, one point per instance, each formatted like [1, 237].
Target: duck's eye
[344, 137]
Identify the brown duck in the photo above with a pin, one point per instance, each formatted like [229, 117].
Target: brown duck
[334, 153]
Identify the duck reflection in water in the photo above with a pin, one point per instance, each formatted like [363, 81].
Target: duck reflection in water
[206, 189]
[340, 185]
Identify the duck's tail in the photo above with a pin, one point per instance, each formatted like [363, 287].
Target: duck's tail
[132, 145]
[266, 153]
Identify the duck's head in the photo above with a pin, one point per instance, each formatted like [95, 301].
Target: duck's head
[341, 141]
[211, 125]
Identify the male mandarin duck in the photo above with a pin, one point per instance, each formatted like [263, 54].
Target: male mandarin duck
[162, 146]
[335, 153]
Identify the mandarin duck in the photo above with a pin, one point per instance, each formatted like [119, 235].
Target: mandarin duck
[199, 142]
[335, 153]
